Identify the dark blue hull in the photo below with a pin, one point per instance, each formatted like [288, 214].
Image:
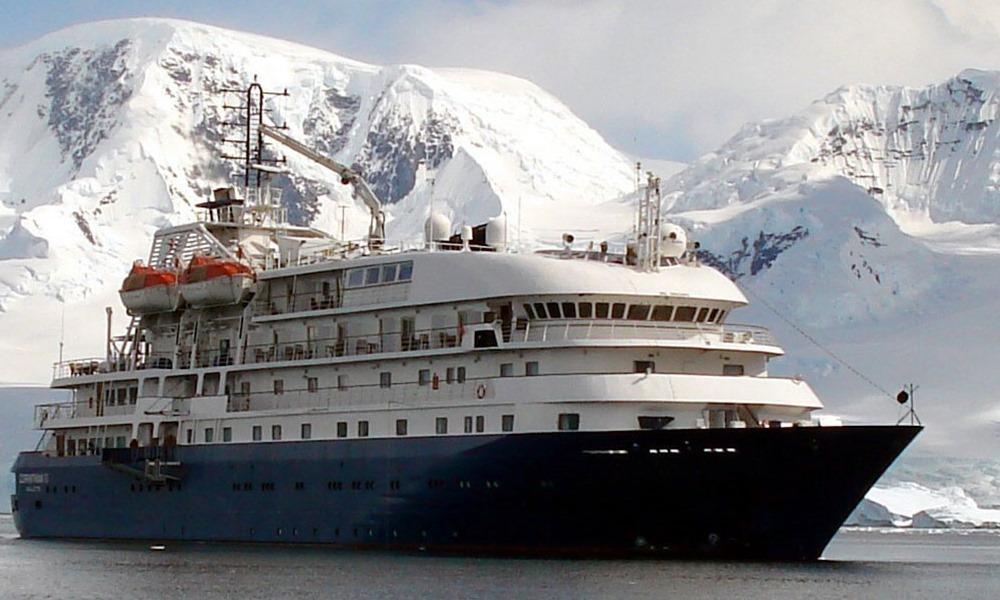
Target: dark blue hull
[746, 493]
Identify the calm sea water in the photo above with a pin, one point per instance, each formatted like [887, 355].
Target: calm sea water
[858, 564]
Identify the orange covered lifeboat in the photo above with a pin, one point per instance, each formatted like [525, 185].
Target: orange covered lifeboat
[209, 281]
[149, 290]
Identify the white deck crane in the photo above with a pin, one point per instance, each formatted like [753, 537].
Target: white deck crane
[376, 229]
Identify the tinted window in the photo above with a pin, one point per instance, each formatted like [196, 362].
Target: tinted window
[227, 434]
[638, 312]
[712, 315]
[355, 277]
[684, 313]
[385, 379]
[569, 310]
[702, 315]
[256, 433]
[586, 310]
[662, 312]
[507, 423]
[553, 308]
[389, 273]
[424, 376]
[405, 271]
[461, 375]
[507, 370]
[529, 311]
[276, 432]
[617, 310]
[371, 275]
[468, 424]
[480, 424]
[362, 428]
[307, 431]
[601, 310]
[342, 429]
[441, 425]
[400, 426]
[722, 315]
[531, 368]
[540, 311]
[569, 421]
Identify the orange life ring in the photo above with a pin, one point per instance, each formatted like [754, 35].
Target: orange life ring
[480, 391]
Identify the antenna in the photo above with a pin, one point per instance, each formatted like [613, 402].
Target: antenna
[648, 225]
[904, 397]
[62, 329]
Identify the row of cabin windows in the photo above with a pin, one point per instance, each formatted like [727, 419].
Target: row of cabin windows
[120, 396]
[380, 274]
[424, 377]
[402, 428]
[621, 310]
[85, 446]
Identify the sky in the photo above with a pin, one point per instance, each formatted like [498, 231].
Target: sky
[667, 79]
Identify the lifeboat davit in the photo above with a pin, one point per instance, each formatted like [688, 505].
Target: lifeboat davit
[209, 281]
[149, 290]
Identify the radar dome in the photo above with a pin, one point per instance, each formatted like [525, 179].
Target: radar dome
[437, 227]
[673, 240]
[496, 233]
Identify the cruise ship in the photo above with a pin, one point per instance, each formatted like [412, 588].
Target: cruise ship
[279, 385]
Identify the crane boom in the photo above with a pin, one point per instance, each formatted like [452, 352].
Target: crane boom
[376, 232]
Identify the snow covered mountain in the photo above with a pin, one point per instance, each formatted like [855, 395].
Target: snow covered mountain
[110, 130]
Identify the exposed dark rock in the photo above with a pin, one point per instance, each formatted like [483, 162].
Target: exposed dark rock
[760, 254]
[81, 222]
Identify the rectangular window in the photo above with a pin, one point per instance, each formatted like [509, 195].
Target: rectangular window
[449, 375]
[712, 315]
[245, 388]
[209, 435]
[529, 312]
[400, 426]
[480, 424]
[702, 315]
[722, 315]
[568, 310]
[371, 275]
[362, 428]
[662, 312]
[618, 310]
[133, 393]
[389, 273]
[732, 370]
[601, 310]
[405, 271]
[643, 366]
[507, 370]
[424, 377]
[460, 377]
[279, 386]
[684, 314]
[190, 436]
[307, 431]
[385, 379]
[342, 382]
[468, 424]
[276, 432]
[569, 421]
[638, 312]
[507, 422]
[586, 310]
[312, 384]
[257, 436]
[355, 278]
[441, 425]
[540, 311]
[531, 368]
[227, 434]
[553, 308]
[341, 429]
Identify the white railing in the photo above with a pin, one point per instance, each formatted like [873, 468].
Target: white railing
[603, 329]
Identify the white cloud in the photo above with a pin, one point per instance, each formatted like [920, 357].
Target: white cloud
[675, 77]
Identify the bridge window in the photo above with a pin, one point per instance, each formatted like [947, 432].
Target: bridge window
[684, 313]
[638, 312]
[722, 315]
[540, 311]
[553, 308]
[341, 429]
[712, 315]
[529, 311]
[371, 275]
[618, 310]
[662, 312]
[405, 271]
[569, 421]
[586, 310]
[355, 278]
[702, 315]
[569, 310]
[362, 428]
[441, 425]
[389, 273]
[601, 310]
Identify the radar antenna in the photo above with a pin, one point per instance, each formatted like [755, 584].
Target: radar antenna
[648, 229]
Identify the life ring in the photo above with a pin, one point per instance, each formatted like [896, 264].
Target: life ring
[480, 391]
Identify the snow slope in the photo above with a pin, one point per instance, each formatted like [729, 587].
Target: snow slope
[110, 130]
